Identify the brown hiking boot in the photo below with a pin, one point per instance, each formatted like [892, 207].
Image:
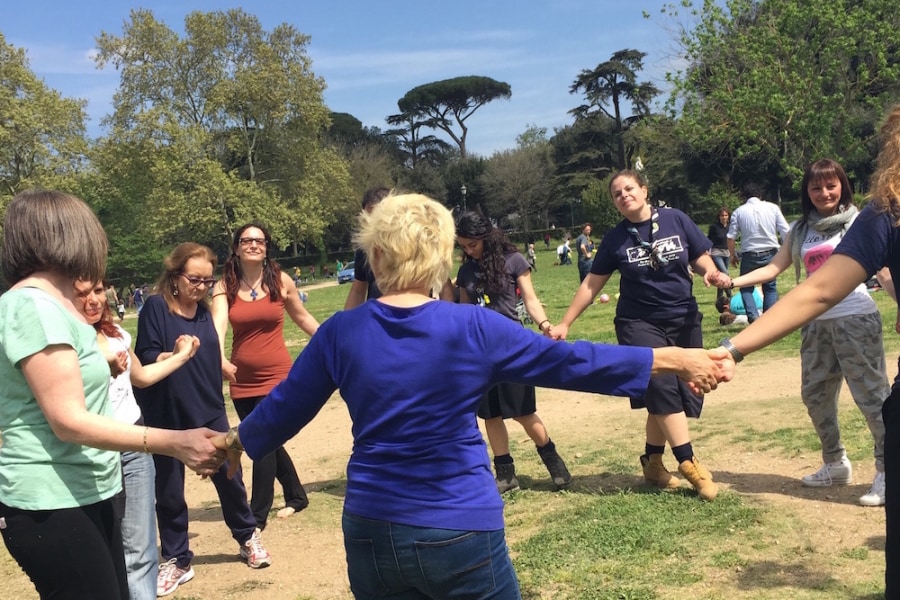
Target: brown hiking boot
[655, 472]
[699, 477]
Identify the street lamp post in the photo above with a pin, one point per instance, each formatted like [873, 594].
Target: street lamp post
[462, 190]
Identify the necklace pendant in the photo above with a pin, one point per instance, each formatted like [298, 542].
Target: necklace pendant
[253, 294]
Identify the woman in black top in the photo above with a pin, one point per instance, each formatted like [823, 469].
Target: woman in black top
[718, 236]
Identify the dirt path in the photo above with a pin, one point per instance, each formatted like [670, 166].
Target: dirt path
[307, 548]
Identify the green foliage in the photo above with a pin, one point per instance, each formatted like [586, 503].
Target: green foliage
[771, 86]
[450, 102]
[42, 134]
[615, 82]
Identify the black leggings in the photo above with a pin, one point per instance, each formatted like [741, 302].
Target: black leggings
[70, 553]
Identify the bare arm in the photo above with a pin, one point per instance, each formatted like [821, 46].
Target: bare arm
[704, 265]
[146, 375]
[293, 306]
[357, 295]
[219, 310]
[532, 304]
[779, 263]
[826, 287]
[732, 250]
[587, 291]
[448, 292]
[61, 399]
[886, 281]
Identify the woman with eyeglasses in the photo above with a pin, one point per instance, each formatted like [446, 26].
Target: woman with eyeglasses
[190, 397]
[253, 296]
[718, 236]
[61, 495]
[654, 251]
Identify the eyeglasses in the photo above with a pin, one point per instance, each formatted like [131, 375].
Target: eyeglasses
[251, 241]
[198, 281]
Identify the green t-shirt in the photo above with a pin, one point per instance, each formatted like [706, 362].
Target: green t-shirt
[38, 471]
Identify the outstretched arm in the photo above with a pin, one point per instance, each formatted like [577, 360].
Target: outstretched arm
[585, 295]
[294, 307]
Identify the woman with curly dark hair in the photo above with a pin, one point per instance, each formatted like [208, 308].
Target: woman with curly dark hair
[492, 275]
[254, 296]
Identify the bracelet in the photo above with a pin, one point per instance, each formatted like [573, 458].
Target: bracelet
[233, 440]
[541, 325]
[146, 448]
[735, 353]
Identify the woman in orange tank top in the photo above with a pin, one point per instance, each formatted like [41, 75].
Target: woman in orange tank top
[253, 296]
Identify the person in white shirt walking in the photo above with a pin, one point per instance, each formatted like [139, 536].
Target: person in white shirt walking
[758, 225]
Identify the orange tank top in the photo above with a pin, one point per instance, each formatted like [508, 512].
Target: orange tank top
[258, 349]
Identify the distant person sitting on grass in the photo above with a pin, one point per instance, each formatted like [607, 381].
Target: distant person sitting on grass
[422, 515]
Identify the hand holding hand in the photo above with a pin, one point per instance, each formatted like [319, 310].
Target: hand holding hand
[558, 332]
[233, 456]
[187, 344]
[229, 371]
[719, 279]
[195, 448]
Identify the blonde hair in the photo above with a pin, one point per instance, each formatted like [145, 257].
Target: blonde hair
[174, 266]
[884, 188]
[414, 236]
[48, 230]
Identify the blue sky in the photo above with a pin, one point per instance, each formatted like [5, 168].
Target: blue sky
[371, 53]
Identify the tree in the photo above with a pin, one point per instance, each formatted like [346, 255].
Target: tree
[237, 96]
[773, 85]
[42, 134]
[520, 182]
[458, 98]
[414, 146]
[614, 82]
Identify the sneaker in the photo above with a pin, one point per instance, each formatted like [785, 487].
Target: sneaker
[171, 576]
[833, 473]
[875, 496]
[255, 553]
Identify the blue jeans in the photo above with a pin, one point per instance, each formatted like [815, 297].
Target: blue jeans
[401, 562]
[139, 526]
[750, 261]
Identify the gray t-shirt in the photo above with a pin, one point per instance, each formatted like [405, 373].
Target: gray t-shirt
[501, 301]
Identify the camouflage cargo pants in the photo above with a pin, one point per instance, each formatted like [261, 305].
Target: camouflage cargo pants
[848, 348]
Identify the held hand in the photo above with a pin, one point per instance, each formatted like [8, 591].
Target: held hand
[724, 361]
[229, 371]
[702, 369]
[718, 279]
[558, 332]
[233, 456]
[186, 345]
[195, 448]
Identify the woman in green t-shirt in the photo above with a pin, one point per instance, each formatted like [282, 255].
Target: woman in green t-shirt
[60, 476]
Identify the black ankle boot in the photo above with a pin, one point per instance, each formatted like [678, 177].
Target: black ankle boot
[506, 477]
[555, 466]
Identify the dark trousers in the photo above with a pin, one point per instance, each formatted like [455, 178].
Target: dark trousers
[172, 510]
[891, 414]
[70, 553]
[275, 465]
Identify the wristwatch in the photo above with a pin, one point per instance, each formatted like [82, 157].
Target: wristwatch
[233, 441]
[735, 353]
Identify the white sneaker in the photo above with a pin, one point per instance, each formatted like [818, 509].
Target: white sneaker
[834, 473]
[255, 553]
[171, 576]
[875, 496]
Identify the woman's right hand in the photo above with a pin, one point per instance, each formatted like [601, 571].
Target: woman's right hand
[187, 344]
[195, 448]
[558, 332]
[229, 371]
